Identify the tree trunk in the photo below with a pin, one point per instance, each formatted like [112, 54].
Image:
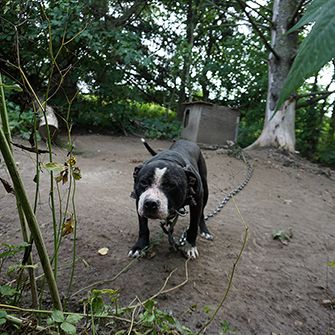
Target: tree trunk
[185, 76]
[279, 127]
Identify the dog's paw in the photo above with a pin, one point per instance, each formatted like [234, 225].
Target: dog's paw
[135, 253]
[139, 248]
[207, 236]
[189, 251]
[192, 253]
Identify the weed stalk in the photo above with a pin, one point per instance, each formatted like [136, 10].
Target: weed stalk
[7, 134]
[31, 219]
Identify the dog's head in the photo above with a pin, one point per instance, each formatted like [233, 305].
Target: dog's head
[161, 188]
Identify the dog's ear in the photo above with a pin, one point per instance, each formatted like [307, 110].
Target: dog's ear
[136, 171]
[135, 175]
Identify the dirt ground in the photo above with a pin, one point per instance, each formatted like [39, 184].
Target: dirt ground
[278, 288]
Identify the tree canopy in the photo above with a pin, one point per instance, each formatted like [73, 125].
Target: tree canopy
[116, 57]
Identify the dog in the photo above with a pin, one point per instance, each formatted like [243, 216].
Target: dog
[164, 184]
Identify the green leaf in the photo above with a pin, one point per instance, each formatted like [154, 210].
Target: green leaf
[68, 328]
[52, 166]
[98, 305]
[312, 13]
[12, 249]
[73, 318]
[149, 305]
[150, 318]
[57, 316]
[317, 49]
[15, 88]
[50, 321]
[207, 309]
[332, 264]
[7, 291]
[3, 314]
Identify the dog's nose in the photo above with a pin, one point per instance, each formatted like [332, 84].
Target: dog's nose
[151, 205]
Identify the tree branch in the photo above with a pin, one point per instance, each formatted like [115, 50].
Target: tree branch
[311, 94]
[314, 97]
[259, 33]
[295, 14]
[259, 13]
[136, 9]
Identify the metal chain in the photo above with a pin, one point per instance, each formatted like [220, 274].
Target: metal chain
[168, 225]
[238, 153]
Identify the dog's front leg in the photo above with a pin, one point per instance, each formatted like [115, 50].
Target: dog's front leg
[190, 249]
[143, 238]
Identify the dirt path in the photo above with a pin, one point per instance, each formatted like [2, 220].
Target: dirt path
[277, 289]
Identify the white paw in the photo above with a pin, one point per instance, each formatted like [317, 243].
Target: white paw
[192, 253]
[135, 254]
[207, 236]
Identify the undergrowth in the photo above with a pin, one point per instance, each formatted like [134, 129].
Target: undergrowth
[125, 117]
[20, 123]
[101, 312]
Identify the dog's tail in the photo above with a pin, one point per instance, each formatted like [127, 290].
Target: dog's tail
[152, 151]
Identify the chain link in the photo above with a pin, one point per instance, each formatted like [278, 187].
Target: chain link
[238, 153]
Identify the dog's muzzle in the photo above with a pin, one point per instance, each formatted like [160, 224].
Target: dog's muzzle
[151, 209]
[153, 204]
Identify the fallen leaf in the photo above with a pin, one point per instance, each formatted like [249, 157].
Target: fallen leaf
[103, 251]
[283, 236]
[328, 303]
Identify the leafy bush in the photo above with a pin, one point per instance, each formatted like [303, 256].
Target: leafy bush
[250, 126]
[20, 122]
[326, 153]
[90, 112]
[152, 110]
[161, 128]
[123, 117]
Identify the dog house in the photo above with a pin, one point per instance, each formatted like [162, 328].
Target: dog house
[207, 123]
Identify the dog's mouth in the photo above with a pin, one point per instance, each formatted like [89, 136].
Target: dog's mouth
[151, 216]
[154, 216]
[157, 214]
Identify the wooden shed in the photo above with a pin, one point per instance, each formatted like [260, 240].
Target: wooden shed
[207, 123]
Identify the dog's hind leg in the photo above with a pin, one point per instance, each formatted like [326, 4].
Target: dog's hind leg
[204, 232]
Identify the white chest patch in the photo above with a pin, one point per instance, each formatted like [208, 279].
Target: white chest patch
[153, 193]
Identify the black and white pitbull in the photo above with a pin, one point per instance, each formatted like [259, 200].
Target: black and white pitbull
[167, 182]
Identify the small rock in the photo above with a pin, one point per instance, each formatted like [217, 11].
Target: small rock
[298, 323]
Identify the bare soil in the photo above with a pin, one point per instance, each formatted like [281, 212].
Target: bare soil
[278, 288]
